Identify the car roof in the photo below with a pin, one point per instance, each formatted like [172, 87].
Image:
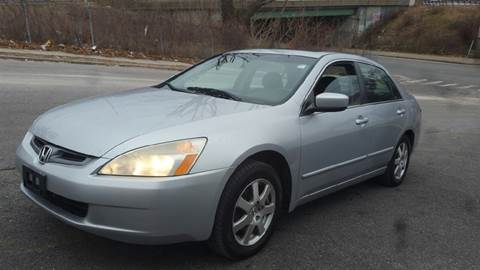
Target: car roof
[311, 54]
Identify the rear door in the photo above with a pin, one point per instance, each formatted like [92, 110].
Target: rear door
[386, 113]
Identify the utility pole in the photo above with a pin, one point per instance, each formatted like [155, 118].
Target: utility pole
[478, 39]
[27, 21]
[477, 47]
[90, 22]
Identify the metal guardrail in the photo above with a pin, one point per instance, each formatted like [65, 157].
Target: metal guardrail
[337, 3]
[451, 2]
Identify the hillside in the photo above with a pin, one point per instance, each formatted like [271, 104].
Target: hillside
[430, 30]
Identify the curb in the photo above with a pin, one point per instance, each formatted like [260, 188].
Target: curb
[414, 56]
[52, 56]
[55, 56]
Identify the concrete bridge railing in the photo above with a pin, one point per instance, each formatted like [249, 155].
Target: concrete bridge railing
[336, 3]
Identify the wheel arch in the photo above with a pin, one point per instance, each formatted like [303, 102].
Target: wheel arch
[281, 166]
[411, 136]
[277, 158]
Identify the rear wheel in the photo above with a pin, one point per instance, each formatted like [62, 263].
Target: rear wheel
[248, 211]
[398, 165]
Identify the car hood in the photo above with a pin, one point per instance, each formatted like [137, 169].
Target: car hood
[95, 125]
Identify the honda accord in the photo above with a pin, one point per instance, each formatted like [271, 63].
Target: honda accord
[219, 151]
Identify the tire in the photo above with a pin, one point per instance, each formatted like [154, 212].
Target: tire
[250, 217]
[394, 177]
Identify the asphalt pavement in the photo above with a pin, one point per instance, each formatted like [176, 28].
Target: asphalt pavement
[432, 221]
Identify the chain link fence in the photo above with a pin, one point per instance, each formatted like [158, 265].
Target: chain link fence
[106, 26]
[81, 25]
[26, 5]
[474, 47]
[91, 26]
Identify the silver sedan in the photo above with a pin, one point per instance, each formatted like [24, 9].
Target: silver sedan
[218, 152]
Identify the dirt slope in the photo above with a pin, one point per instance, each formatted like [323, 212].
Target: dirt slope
[431, 30]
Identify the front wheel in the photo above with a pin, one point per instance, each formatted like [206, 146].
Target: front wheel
[247, 212]
[398, 165]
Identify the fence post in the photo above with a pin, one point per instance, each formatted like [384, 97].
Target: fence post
[90, 22]
[478, 39]
[477, 49]
[27, 21]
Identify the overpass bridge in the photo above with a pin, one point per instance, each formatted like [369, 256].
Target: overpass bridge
[352, 16]
[360, 14]
[319, 8]
[276, 4]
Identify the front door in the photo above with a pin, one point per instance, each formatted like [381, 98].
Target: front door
[335, 144]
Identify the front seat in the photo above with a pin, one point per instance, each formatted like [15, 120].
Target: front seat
[322, 84]
[272, 81]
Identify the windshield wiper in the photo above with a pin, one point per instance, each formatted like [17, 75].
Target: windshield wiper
[214, 92]
[175, 88]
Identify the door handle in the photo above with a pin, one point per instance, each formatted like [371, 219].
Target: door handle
[361, 120]
[401, 112]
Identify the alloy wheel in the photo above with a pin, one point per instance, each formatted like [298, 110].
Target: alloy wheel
[400, 161]
[253, 213]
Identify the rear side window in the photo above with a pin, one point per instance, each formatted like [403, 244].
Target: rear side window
[377, 84]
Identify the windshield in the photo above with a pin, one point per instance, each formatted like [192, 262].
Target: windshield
[269, 79]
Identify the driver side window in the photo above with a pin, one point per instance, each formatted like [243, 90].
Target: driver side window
[340, 78]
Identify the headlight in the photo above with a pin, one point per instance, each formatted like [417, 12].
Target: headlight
[167, 159]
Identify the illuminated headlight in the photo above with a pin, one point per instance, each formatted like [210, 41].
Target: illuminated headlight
[167, 159]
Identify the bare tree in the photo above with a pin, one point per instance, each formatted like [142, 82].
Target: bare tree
[231, 13]
[228, 10]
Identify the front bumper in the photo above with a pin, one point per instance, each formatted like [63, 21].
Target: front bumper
[130, 209]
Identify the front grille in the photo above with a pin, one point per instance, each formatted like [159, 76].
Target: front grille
[60, 155]
[76, 208]
[37, 144]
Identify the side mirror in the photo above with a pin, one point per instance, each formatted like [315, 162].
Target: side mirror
[331, 102]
